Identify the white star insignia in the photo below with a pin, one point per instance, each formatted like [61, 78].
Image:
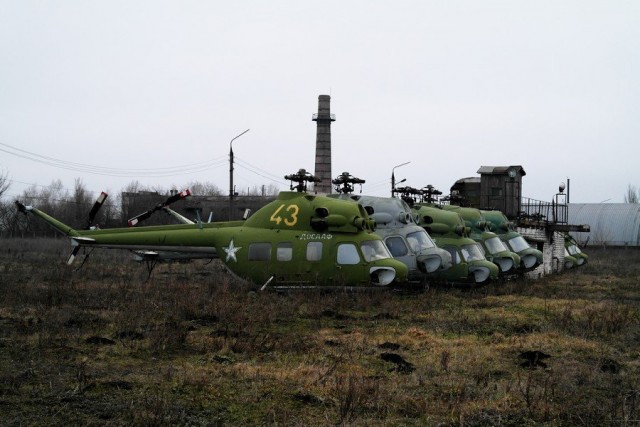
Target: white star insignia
[231, 251]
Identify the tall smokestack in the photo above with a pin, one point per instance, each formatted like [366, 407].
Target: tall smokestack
[323, 144]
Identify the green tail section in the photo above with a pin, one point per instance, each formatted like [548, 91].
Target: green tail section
[63, 228]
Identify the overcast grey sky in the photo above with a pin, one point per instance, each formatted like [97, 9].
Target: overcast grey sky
[447, 85]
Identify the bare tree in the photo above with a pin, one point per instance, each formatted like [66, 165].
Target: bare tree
[204, 189]
[7, 211]
[133, 187]
[159, 189]
[81, 202]
[53, 199]
[110, 214]
[4, 183]
[263, 190]
[271, 190]
[632, 195]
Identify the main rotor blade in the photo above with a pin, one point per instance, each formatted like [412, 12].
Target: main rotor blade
[178, 196]
[136, 219]
[171, 199]
[96, 207]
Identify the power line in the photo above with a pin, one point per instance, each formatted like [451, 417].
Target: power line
[109, 171]
[378, 184]
[276, 177]
[133, 173]
[280, 182]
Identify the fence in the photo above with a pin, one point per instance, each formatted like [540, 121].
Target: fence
[547, 212]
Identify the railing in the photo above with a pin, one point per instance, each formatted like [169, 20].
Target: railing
[541, 211]
[317, 116]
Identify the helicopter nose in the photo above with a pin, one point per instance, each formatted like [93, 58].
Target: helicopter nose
[480, 274]
[529, 261]
[505, 264]
[429, 263]
[382, 276]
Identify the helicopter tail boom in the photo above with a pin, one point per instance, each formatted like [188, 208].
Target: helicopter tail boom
[58, 225]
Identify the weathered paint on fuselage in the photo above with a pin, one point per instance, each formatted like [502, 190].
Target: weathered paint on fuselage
[449, 232]
[530, 258]
[569, 261]
[494, 249]
[407, 241]
[573, 251]
[293, 240]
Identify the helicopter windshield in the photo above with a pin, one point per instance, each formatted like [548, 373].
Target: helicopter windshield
[518, 244]
[455, 257]
[419, 240]
[471, 253]
[495, 245]
[574, 250]
[374, 250]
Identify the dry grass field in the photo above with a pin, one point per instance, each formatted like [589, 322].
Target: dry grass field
[193, 346]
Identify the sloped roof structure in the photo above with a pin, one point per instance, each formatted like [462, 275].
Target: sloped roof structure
[500, 170]
[612, 224]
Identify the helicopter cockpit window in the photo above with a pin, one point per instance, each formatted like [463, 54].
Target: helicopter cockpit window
[455, 257]
[314, 251]
[495, 245]
[348, 254]
[472, 252]
[419, 240]
[284, 251]
[574, 250]
[518, 244]
[374, 250]
[259, 252]
[396, 246]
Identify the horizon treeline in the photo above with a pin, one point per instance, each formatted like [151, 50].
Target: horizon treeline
[72, 206]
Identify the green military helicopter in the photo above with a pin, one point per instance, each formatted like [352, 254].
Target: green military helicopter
[569, 260]
[298, 240]
[573, 256]
[395, 223]
[450, 233]
[493, 248]
[530, 258]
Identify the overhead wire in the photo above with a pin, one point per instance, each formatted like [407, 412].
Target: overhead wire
[263, 175]
[380, 183]
[277, 177]
[110, 171]
[136, 172]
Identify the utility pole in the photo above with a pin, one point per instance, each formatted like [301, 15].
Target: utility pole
[393, 178]
[231, 191]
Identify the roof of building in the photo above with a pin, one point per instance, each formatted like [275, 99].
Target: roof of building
[613, 224]
[471, 179]
[500, 170]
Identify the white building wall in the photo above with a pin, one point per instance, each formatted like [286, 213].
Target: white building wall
[557, 252]
[552, 250]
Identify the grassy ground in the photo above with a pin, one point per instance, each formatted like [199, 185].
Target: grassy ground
[192, 346]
